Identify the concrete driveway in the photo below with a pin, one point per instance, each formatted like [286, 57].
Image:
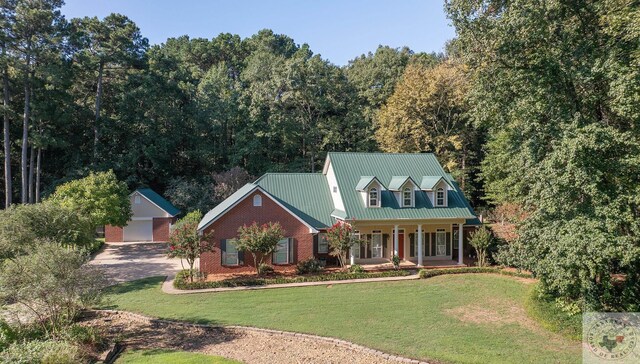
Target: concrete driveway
[130, 261]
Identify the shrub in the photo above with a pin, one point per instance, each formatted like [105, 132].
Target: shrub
[264, 269]
[356, 268]
[428, 273]
[481, 240]
[181, 283]
[341, 239]
[396, 261]
[42, 352]
[259, 240]
[53, 282]
[186, 243]
[7, 334]
[309, 266]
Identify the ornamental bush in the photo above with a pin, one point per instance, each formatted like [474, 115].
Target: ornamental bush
[309, 266]
[186, 244]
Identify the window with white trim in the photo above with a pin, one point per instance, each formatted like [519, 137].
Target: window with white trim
[281, 255]
[323, 243]
[355, 248]
[257, 200]
[373, 197]
[230, 253]
[136, 199]
[441, 242]
[407, 197]
[376, 244]
[440, 197]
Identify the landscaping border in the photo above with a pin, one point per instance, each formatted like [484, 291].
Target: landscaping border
[330, 340]
[428, 273]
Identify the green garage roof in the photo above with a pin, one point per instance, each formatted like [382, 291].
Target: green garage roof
[160, 201]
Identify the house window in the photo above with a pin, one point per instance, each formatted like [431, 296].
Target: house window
[441, 242]
[440, 197]
[230, 253]
[136, 200]
[355, 248]
[373, 197]
[407, 197]
[376, 244]
[323, 243]
[257, 200]
[281, 255]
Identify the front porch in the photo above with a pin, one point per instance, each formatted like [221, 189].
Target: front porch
[419, 244]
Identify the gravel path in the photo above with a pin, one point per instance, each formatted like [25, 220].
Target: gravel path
[244, 344]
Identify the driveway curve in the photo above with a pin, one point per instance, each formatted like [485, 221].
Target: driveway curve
[130, 261]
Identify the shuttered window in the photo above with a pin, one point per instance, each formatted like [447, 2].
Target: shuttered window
[376, 245]
[281, 255]
[323, 243]
[230, 254]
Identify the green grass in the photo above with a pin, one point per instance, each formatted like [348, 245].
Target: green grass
[160, 356]
[466, 318]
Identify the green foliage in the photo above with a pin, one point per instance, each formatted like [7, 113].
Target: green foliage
[23, 226]
[259, 240]
[546, 312]
[264, 269]
[309, 266]
[181, 281]
[185, 242]
[99, 195]
[481, 240]
[8, 334]
[341, 238]
[53, 283]
[356, 268]
[42, 352]
[554, 84]
[428, 273]
[395, 259]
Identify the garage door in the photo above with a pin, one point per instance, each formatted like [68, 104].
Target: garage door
[138, 230]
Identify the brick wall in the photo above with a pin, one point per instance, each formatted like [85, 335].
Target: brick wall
[161, 228]
[227, 226]
[112, 234]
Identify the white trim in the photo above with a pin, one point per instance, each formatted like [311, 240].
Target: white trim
[154, 204]
[142, 218]
[312, 230]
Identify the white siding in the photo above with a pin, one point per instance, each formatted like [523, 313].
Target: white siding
[145, 208]
[333, 182]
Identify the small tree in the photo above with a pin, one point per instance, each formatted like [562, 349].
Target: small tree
[100, 195]
[481, 241]
[341, 238]
[259, 240]
[185, 243]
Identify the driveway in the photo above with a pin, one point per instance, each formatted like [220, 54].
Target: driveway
[130, 261]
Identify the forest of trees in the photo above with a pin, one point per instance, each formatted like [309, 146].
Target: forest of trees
[535, 105]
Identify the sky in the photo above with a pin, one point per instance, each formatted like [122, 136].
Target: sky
[339, 30]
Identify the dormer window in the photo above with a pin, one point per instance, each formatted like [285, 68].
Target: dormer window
[440, 197]
[373, 197]
[407, 197]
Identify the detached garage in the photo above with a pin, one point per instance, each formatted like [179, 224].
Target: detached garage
[151, 220]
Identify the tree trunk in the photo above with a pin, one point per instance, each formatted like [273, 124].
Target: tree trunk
[38, 169]
[96, 123]
[7, 138]
[32, 162]
[25, 128]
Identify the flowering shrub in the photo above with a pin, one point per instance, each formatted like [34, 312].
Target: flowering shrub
[259, 240]
[341, 238]
[185, 243]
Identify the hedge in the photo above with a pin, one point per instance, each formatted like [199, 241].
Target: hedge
[428, 273]
[182, 280]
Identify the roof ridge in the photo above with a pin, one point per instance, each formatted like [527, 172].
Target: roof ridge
[384, 153]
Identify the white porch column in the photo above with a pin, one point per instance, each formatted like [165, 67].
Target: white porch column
[460, 235]
[395, 240]
[352, 257]
[420, 254]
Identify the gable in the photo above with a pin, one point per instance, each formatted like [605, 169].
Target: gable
[145, 208]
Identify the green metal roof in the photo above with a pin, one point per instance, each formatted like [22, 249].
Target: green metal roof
[159, 200]
[223, 206]
[398, 181]
[428, 182]
[306, 194]
[349, 167]
[364, 182]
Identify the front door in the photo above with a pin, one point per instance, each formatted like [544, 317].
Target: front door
[441, 243]
[401, 244]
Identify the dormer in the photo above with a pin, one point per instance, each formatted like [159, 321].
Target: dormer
[370, 190]
[404, 190]
[436, 188]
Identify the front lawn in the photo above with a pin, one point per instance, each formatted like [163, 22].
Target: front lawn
[466, 318]
[159, 356]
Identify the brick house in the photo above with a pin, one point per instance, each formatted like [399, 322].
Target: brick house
[151, 220]
[398, 204]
